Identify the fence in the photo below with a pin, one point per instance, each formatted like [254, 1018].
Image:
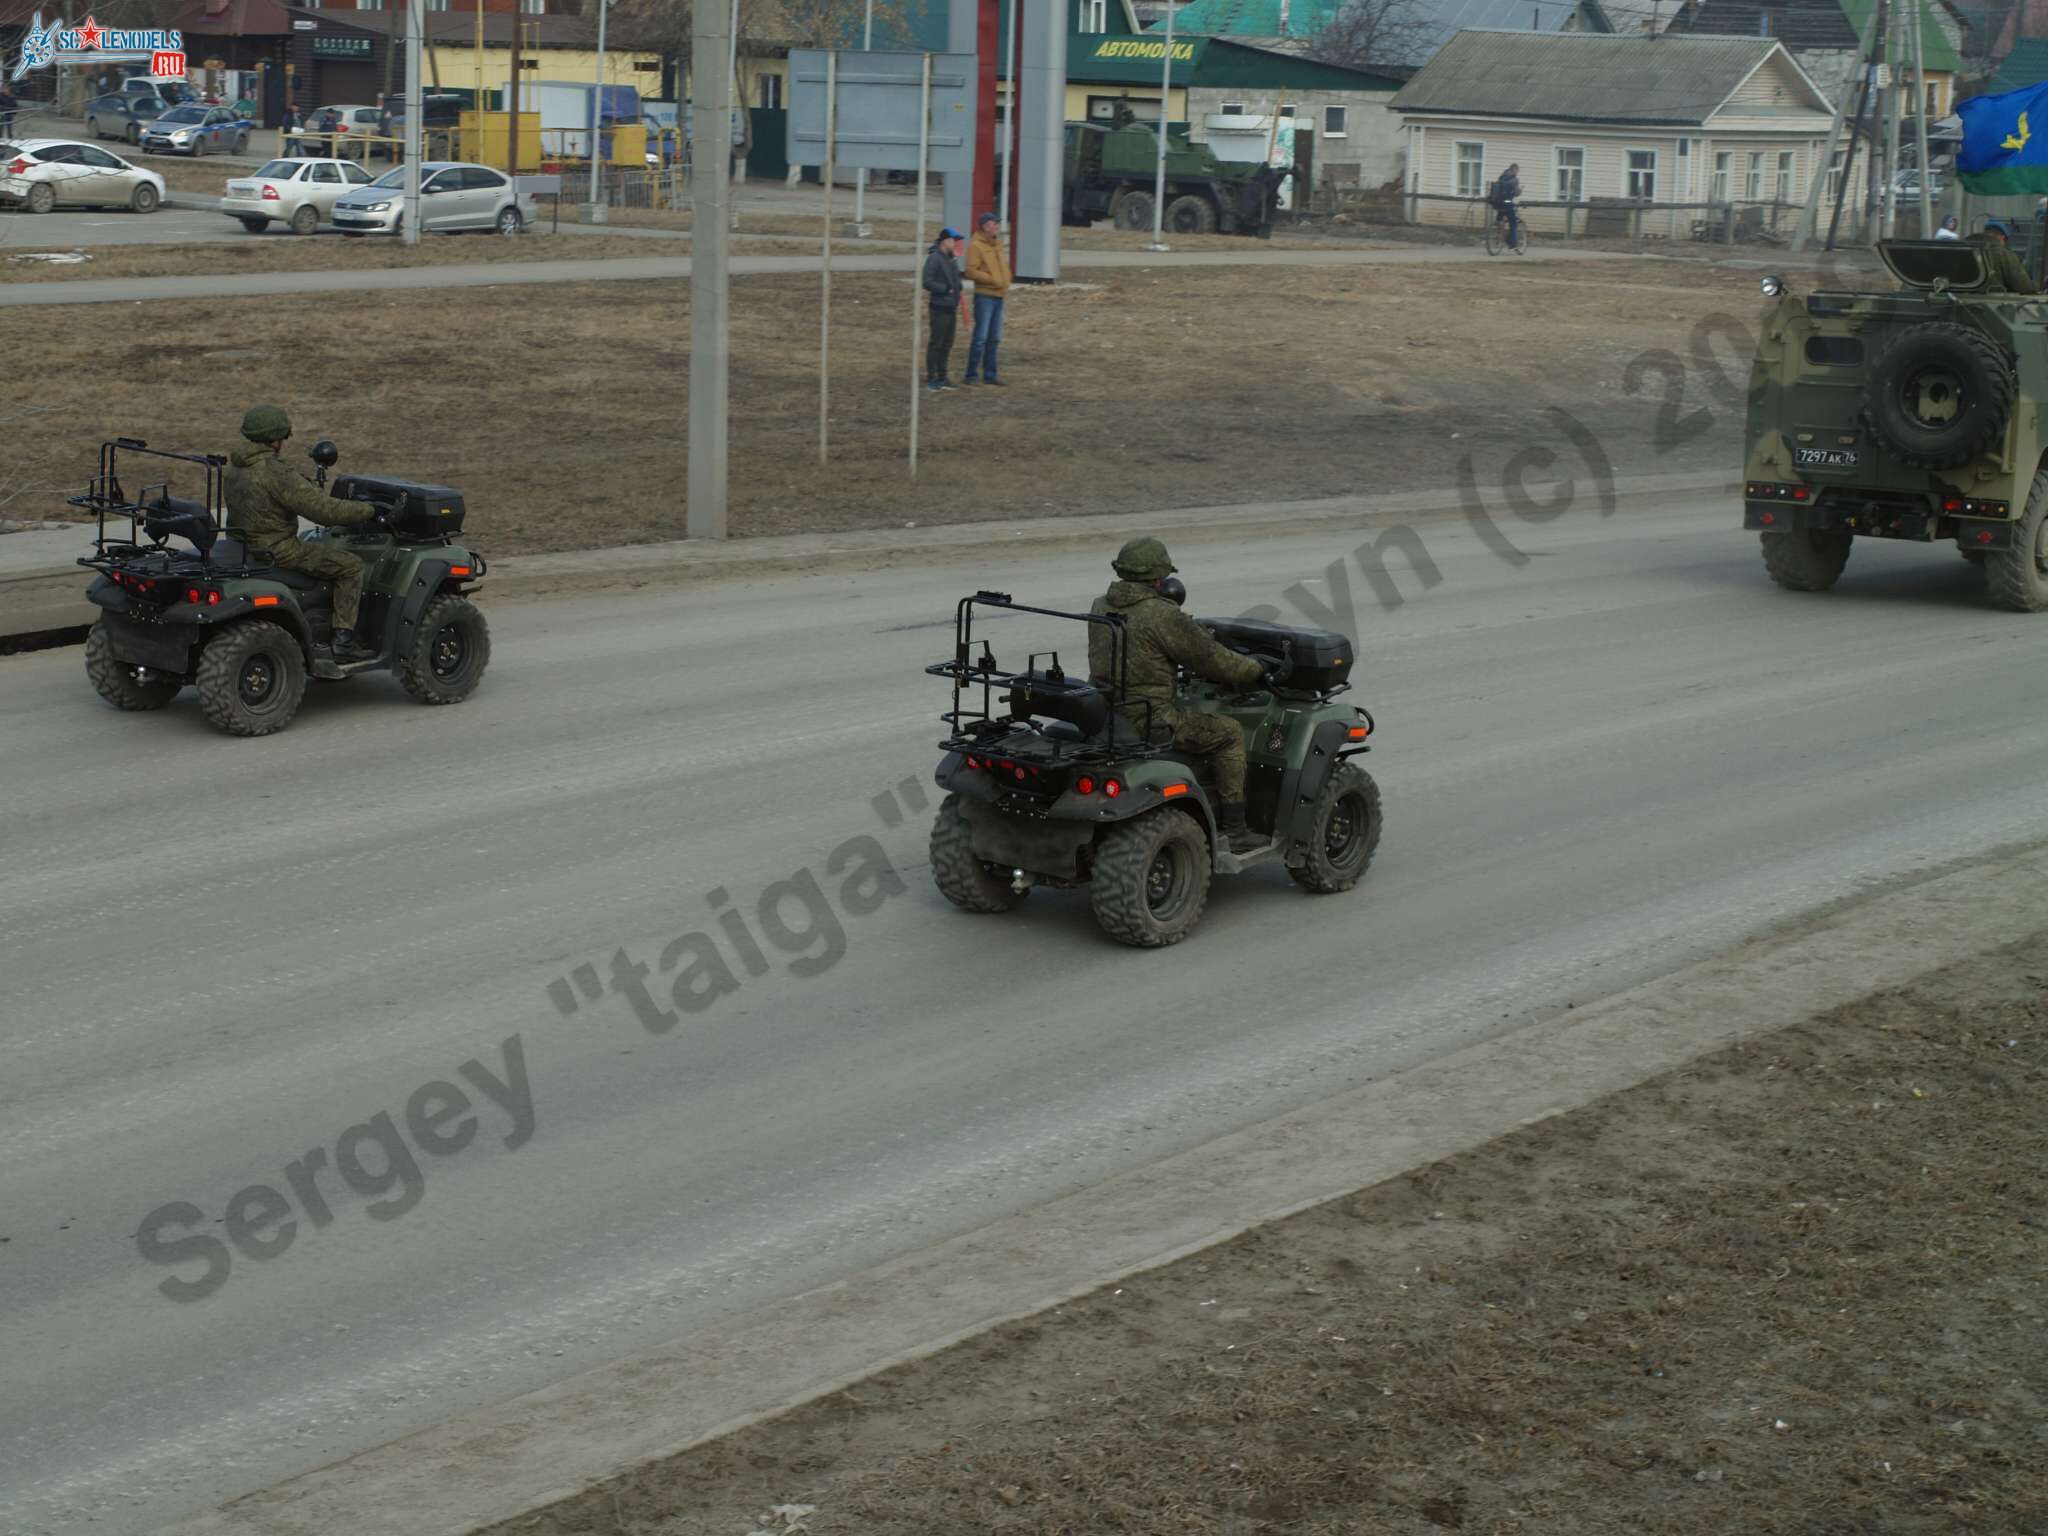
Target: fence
[1638, 221]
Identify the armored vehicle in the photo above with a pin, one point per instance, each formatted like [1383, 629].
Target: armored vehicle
[1907, 415]
[1112, 173]
[207, 612]
[1057, 781]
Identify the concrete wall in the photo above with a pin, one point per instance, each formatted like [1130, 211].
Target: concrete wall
[1373, 138]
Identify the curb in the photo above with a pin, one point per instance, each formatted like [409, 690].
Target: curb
[26, 597]
[540, 1449]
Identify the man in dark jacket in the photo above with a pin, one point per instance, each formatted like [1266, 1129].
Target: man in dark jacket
[1506, 192]
[1158, 637]
[2003, 270]
[265, 502]
[946, 291]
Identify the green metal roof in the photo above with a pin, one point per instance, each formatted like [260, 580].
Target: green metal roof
[1935, 50]
[1114, 58]
[2026, 65]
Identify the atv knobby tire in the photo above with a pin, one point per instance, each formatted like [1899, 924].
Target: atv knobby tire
[1151, 878]
[115, 680]
[1940, 395]
[450, 649]
[1807, 559]
[961, 875]
[2017, 578]
[252, 678]
[1343, 831]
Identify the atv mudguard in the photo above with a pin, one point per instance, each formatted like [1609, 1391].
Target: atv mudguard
[1048, 841]
[171, 641]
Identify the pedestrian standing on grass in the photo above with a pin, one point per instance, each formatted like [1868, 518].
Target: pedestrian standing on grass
[988, 268]
[947, 293]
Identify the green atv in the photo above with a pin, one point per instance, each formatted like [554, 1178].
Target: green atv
[1069, 786]
[222, 619]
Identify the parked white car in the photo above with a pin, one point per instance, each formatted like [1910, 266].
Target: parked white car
[42, 174]
[452, 197]
[300, 193]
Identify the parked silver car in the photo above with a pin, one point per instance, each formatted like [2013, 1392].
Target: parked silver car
[196, 131]
[42, 174]
[300, 193]
[123, 115]
[452, 197]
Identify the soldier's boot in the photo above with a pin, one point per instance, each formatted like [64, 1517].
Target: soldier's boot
[1237, 836]
[347, 648]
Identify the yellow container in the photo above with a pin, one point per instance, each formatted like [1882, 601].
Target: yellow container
[484, 139]
[629, 145]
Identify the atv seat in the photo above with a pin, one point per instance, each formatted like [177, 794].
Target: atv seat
[229, 550]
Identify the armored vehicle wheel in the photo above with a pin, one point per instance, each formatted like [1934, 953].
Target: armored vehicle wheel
[451, 648]
[252, 678]
[962, 878]
[1940, 395]
[2018, 577]
[1191, 215]
[1343, 831]
[1807, 559]
[1132, 211]
[115, 681]
[1151, 879]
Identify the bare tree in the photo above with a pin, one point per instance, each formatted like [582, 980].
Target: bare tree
[1382, 35]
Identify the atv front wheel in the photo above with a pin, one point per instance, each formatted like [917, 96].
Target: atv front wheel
[252, 678]
[451, 648]
[1343, 831]
[1806, 559]
[1151, 879]
[115, 680]
[960, 874]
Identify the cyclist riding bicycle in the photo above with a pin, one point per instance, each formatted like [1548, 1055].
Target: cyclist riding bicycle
[1505, 191]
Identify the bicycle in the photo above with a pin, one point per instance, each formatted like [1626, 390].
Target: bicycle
[1497, 234]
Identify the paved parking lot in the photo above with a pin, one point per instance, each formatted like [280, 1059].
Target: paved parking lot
[62, 230]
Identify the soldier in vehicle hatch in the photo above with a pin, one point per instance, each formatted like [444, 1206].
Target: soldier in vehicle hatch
[265, 502]
[1158, 636]
[2004, 272]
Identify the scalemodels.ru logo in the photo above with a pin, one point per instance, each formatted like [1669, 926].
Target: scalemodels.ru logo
[91, 43]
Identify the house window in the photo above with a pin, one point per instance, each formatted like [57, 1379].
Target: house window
[529, 7]
[771, 91]
[1232, 109]
[1784, 175]
[1721, 171]
[1094, 15]
[437, 5]
[1333, 122]
[1470, 161]
[1642, 174]
[1570, 163]
[1287, 109]
[1753, 183]
[369, 5]
[1934, 98]
[1836, 162]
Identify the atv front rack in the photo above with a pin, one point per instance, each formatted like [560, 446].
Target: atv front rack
[1102, 727]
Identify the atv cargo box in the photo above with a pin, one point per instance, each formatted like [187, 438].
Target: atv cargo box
[416, 511]
[1321, 657]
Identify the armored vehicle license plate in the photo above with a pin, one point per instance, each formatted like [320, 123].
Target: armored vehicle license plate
[1825, 458]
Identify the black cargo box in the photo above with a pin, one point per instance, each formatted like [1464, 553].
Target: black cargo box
[1321, 657]
[416, 511]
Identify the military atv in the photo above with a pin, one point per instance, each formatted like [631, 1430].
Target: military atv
[1908, 415]
[218, 617]
[1067, 785]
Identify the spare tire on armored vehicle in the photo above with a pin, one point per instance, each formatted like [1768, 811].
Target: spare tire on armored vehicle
[1940, 395]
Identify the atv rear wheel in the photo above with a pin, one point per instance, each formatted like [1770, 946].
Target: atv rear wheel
[115, 680]
[961, 875]
[1343, 831]
[1807, 559]
[2018, 577]
[451, 647]
[252, 678]
[1151, 879]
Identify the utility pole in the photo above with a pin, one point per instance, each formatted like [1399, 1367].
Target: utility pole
[415, 119]
[1855, 136]
[597, 210]
[512, 106]
[710, 185]
[859, 226]
[1165, 98]
[1920, 120]
[1809, 216]
[1893, 54]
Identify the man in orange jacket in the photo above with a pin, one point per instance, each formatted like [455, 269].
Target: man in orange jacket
[988, 268]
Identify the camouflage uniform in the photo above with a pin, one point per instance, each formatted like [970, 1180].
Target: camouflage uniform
[1157, 635]
[266, 500]
[2004, 272]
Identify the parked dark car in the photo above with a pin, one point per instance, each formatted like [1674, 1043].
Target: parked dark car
[123, 115]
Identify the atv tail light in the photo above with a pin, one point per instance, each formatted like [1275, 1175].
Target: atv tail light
[269, 193]
[267, 601]
[1084, 785]
[1020, 774]
[1112, 788]
[1170, 790]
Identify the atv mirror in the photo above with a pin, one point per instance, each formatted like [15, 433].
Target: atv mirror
[1174, 590]
[324, 453]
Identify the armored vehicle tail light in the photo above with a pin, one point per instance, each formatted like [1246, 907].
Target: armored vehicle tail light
[1763, 490]
[1975, 508]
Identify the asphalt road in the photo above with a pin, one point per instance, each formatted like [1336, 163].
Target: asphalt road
[68, 228]
[221, 956]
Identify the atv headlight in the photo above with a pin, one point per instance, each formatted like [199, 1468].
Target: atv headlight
[1772, 286]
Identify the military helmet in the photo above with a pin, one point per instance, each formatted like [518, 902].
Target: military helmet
[1143, 560]
[267, 424]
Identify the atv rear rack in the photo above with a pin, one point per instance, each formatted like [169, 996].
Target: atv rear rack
[1104, 730]
[158, 518]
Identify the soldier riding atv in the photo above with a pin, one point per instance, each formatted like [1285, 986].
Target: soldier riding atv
[245, 627]
[1908, 415]
[1080, 782]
